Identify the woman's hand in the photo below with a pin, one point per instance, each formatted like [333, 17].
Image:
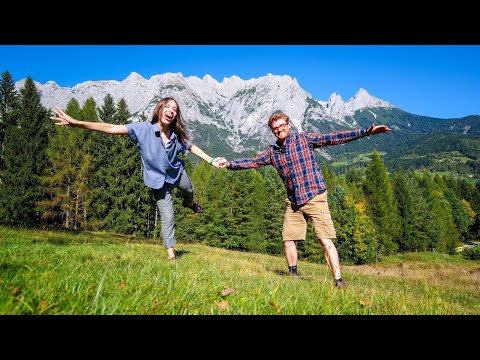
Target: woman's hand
[220, 162]
[62, 118]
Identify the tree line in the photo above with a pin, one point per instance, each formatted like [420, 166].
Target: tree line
[83, 180]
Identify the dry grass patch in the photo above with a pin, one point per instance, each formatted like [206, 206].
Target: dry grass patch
[451, 276]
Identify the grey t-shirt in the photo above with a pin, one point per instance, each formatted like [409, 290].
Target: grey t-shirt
[160, 162]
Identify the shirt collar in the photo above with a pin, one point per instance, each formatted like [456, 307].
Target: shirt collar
[157, 133]
[278, 147]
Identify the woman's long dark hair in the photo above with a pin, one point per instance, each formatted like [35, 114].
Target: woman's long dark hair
[177, 125]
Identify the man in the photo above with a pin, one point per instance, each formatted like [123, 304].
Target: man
[294, 158]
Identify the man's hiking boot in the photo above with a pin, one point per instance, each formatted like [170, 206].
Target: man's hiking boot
[339, 283]
[293, 272]
[197, 209]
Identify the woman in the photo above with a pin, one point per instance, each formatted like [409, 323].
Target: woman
[160, 141]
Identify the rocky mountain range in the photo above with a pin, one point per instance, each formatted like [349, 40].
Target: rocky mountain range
[233, 112]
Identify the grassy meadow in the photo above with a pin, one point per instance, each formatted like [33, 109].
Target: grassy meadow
[58, 272]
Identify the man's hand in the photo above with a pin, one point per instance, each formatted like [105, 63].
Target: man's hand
[373, 130]
[220, 162]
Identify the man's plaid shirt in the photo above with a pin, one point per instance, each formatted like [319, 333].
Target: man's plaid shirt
[295, 161]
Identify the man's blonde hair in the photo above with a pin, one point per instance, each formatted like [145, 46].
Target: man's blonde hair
[277, 116]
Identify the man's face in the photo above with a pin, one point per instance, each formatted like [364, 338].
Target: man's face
[280, 129]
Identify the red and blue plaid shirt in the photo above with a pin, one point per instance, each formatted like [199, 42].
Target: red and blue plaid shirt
[295, 161]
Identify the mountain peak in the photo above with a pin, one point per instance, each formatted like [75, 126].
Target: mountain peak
[362, 99]
[134, 76]
[335, 101]
[362, 92]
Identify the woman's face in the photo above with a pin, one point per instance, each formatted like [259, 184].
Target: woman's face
[169, 113]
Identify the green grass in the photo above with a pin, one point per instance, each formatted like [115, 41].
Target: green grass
[94, 273]
[454, 156]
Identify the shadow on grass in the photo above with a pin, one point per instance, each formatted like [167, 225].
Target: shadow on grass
[180, 253]
[286, 274]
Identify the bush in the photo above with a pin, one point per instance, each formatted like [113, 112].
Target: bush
[472, 253]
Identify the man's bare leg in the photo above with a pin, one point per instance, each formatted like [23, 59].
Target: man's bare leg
[331, 255]
[292, 256]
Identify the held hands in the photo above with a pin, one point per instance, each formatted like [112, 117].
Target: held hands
[373, 130]
[220, 162]
[62, 118]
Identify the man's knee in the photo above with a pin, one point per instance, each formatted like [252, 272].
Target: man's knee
[326, 242]
[289, 244]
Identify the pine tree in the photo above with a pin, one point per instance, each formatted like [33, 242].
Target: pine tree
[130, 206]
[8, 107]
[356, 235]
[234, 211]
[84, 178]
[471, 193]
[102, 153]
[25, 159]
[441, 230]
[212, 227]
[69, 183]
[461, 209]
[274, 211]
[256, 204]
[64, 157]
[412, 208]
[106, 113]
[461, 212]
[382, 205]
[238, 218]
[329, 176]
[187, 223]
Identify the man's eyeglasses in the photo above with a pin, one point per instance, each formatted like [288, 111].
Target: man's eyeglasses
[279, 127]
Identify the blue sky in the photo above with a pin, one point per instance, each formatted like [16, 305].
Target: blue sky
[433, 80]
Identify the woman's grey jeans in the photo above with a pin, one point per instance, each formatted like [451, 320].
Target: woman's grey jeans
[164, 200]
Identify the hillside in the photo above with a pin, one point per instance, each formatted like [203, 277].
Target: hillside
[53, 272]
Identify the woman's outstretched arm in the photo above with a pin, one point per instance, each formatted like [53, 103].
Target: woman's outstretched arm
[62, 119]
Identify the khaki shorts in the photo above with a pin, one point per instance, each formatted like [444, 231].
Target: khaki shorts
[296, 217]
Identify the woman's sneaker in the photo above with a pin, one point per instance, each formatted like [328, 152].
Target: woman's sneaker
[197, 209]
